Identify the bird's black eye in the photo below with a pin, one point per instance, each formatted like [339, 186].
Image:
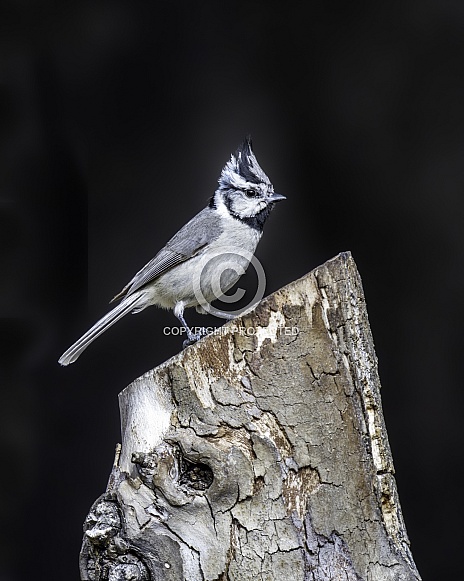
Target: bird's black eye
[250, 193]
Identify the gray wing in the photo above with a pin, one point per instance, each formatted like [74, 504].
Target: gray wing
[203, 229]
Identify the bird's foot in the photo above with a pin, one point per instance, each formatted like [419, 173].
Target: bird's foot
[224, 315]
[194, 337]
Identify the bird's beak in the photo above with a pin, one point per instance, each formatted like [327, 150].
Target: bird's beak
[276, 197]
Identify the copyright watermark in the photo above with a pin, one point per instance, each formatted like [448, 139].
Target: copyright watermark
[218, 271]
[243, 331]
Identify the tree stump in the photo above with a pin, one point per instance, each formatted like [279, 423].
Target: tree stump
[259, 453]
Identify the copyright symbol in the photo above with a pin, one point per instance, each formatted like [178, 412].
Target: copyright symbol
[218, 271]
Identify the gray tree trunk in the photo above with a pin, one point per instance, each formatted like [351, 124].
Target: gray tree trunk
[259, 453]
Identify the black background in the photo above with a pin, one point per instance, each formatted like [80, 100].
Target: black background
[116, 119]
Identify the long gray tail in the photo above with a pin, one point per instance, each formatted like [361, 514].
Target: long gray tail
[124, 307]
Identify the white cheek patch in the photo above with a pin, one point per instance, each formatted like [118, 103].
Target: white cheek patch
[256, 207]
[247, 207]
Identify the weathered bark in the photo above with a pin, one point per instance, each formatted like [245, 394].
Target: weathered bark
[258, 456]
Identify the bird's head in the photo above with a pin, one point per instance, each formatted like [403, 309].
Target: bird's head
[245, 191]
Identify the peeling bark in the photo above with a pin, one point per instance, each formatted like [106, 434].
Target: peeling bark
[258, 457]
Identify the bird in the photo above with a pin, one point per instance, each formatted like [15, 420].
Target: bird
[195, 266]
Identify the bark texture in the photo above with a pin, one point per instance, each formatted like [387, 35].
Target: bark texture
[259, 453]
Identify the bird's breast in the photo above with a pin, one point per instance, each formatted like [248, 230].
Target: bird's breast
[210, 273]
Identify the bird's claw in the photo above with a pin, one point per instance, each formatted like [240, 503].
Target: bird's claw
[194, 337]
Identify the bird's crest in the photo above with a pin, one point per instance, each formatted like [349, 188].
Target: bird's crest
[242, 168]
